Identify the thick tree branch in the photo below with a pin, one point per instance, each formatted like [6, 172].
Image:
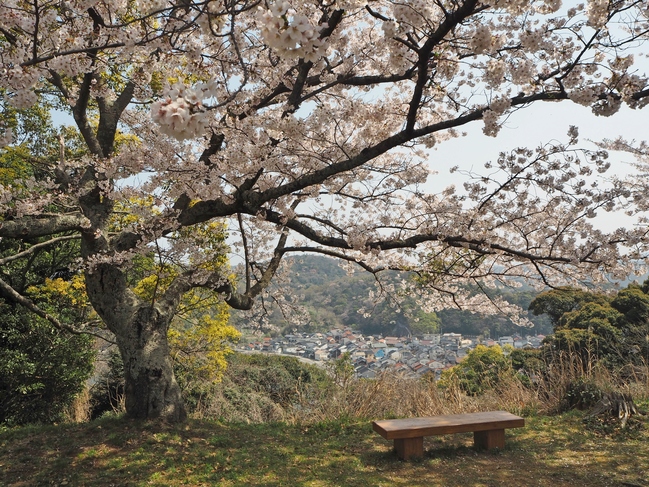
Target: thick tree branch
[30, 228]
[451, 20]
[479, 246]
[109, 116]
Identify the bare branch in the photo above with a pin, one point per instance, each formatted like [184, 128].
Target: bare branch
[27, 303]
[39, 246]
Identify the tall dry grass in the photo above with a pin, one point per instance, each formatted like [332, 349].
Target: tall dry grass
[547, 392]
[79, 410]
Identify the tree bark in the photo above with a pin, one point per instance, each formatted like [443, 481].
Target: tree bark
[151, 390]
[140, 329]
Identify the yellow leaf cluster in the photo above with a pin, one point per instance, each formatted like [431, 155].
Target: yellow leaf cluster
[154, 284]
[126, 214]
[70, 293]
[203, 346]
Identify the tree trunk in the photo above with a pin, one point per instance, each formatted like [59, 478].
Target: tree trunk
[151, 390]
[140, 329]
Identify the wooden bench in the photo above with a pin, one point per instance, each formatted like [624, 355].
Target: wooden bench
[408, 434]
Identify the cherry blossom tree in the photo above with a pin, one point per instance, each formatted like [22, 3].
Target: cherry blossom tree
[306, 127]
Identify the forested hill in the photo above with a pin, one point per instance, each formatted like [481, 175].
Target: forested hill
[332, 299]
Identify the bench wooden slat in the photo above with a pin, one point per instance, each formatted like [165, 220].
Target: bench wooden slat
[392, 429]
[408, 434]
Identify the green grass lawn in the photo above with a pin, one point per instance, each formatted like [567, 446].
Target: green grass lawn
[549, 451]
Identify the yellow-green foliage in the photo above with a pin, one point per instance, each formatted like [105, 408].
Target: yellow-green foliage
[481, 369]
[14, 166]
[199, 340]
[61, 293]
[65, 299]
[202, 347]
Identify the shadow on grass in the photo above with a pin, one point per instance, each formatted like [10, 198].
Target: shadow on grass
[123, 453]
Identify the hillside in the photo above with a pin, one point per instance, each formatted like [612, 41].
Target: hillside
[330, 299]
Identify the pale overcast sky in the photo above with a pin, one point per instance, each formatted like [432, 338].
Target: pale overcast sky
[534, 126]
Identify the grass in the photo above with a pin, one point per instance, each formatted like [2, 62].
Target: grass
[558, 450]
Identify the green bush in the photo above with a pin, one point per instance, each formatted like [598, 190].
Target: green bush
[258, 387]
[42, 369]
[482, 369]
[581, 394]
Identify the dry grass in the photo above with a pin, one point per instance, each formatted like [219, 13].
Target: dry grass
[391, 395]
[79, 410]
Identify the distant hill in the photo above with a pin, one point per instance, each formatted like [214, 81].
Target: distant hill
[331, 298]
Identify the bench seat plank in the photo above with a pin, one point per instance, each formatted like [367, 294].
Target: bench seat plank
[392, 429]
[408, 434]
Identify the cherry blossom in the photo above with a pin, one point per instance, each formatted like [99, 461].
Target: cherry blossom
[305, 127]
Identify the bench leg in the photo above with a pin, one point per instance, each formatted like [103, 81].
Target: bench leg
[485, 440]
[407, 448]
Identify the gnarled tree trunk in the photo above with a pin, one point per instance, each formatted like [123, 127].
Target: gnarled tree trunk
[140, 329]
[151, 390]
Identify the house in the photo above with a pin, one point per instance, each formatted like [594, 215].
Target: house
[395, 355]
[436, 352]
[462, 352]
[450, 341]
[358, 354]
[321, 355]
[365, 373]
[435, 365]
[392, 341]
[433, 338]
[423, 371]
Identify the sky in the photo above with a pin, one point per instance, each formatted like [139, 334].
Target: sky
[538, 125]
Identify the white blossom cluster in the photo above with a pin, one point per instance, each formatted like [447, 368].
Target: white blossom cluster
[491, 126]
[495, 71]
[526, 7]
[585, 95]
[181, 113]
[534, 40]
[513, 6]
[26, 197]
[390, 28]
[630, 84]
[597, 12]
[490, 116]
[481, 40]
[552, 6]
[21, 81]
[416, 13]
[607, 106]
[350, 4]
[290, 33]
[150, 6]
[522, 71]
[70, 65]
[6, 196]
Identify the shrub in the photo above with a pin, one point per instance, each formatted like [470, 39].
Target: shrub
[582, 393]
[482, 369]
[256, 388]
[42, 369]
